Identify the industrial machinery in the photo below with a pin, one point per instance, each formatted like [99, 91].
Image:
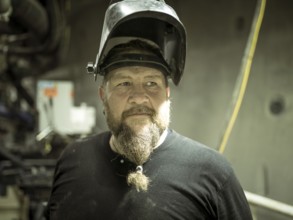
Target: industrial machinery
[32, 41]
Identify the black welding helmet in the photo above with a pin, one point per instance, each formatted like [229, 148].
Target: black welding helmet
[151, 21]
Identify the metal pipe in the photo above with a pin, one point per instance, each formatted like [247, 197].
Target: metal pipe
[273, 205]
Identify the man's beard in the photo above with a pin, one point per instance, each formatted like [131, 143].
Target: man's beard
[137, 146]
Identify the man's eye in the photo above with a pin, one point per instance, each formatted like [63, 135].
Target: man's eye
[124, 84]
[151, 84]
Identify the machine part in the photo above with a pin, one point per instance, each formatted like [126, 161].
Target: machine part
[4, 6]
[31, 15]
[44, 133]
[46, 26]
[20, 89]
[151, 20]
[5, 10]
[5, 153]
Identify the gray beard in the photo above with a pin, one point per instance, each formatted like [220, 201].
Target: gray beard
[136, 147]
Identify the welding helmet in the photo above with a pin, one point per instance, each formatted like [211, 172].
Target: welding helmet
[151, 21]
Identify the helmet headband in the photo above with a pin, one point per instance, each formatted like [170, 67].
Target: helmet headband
[130, 58]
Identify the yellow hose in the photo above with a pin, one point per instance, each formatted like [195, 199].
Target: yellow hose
[245, 72]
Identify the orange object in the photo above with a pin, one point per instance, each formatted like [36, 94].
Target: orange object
[51, 92]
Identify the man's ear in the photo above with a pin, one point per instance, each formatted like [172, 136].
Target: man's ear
[168, 91]
[102, 93]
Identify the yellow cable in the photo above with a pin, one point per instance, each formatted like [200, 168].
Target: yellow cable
[244, 80]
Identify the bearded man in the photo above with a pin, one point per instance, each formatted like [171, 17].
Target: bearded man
[141, 169]
[137, 106]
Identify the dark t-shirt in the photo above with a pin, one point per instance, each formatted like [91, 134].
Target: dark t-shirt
[188, 181]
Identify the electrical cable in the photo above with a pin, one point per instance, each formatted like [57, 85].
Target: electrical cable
[243, 77]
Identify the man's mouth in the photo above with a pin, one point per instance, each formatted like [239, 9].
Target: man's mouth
[138, 115]
[138, 111]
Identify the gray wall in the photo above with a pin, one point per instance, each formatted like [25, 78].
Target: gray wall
[260, 148]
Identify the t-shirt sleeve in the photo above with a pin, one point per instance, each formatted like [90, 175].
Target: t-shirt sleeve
[232, 203]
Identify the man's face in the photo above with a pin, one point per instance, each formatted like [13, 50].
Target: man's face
[136, 96]
[136, 101]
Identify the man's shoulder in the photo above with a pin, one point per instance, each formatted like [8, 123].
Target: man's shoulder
[87, 144]
[198, 154]
[182, 142]
[94, 139]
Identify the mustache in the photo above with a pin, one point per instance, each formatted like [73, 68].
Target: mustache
[139, 109]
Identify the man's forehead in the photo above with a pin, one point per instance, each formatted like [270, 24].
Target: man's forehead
[135, 71]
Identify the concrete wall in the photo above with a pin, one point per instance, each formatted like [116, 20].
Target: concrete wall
[260, 148]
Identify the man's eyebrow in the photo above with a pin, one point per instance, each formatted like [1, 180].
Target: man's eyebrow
[120, 76]
[158, 76]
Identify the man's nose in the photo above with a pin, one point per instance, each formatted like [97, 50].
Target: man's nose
[138, 95]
